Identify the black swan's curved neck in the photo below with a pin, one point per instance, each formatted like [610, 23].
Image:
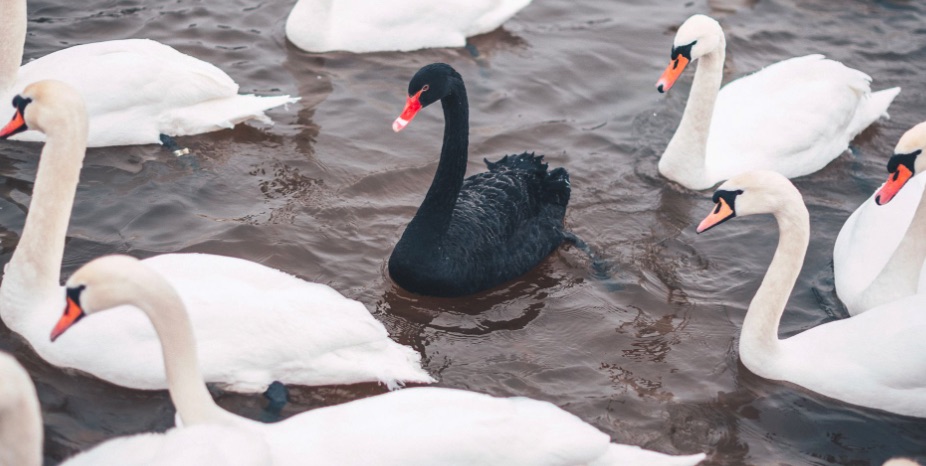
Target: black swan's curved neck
[436, 210]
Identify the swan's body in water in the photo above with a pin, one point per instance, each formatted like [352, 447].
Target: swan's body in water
[473, 234]
[136, 89]
[881, 249]
[398, 25]
[255, 324]
[414, 426]
[876, 359]
[792, 117]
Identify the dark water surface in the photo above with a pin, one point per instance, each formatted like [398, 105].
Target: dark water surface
[648, 356]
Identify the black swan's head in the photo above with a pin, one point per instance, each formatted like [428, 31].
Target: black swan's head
[430, 84]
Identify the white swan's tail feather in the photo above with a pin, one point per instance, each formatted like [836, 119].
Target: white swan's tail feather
[874, 106]
[218, 114]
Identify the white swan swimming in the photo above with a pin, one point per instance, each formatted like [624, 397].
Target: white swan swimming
[400, 25]
[255, 324]
[21, 436]
[876, 359]
[415, 426]
[135, 89]
[881, 249]
[792, 117]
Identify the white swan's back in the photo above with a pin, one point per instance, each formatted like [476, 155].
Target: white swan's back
[427, 426]
[792, 117]
[137, 89]
[371, 26]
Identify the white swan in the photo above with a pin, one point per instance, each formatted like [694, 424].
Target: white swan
[21, 436]
[255, 324]
[881, 249]
[425, 426]
[372, 26]
[792, 117]
[135, 89]
[876, 359]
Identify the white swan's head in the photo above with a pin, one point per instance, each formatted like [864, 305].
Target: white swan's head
[101, 284]
[906, 162]
[699, 35]
[751, 193]
[48, 106]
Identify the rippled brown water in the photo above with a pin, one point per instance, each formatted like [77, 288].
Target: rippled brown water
[648, 356]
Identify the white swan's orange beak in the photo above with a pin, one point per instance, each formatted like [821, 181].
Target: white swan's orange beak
[893, 184]
[72, 313]
[412, 105]
[721, 213]
[671, 74]
[16, 125]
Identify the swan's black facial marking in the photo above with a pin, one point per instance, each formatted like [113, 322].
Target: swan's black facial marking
[724, 209]
[18, 123]
[683, 50]
[729, 196]
[907, 160]
[74, 294]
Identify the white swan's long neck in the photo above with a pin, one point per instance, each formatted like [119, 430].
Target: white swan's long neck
[760, 347]
[20, 422]
[308, 23]
[13, 39]
[185, 383]
[34, 269]
[902, 272]
[685, 157]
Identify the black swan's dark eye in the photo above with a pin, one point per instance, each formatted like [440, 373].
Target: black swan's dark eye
[425, 88]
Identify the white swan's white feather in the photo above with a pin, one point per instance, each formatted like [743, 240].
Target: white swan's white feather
[138, 89]
[449, 427]
[792, 117]
[370, 26]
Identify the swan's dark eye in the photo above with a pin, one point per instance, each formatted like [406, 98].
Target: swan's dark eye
[425, 88]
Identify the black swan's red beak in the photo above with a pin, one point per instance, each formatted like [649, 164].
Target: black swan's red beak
[412, 105]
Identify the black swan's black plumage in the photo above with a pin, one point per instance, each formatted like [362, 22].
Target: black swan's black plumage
[475, 233]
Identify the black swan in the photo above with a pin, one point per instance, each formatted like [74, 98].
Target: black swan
[472, 234]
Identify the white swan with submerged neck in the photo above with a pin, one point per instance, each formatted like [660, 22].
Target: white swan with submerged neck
[400, 25]
[881, 249]
[21, 436]
[875, 359]
[135, 89]
[792, 117]
[426, 426]
[255, 324]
